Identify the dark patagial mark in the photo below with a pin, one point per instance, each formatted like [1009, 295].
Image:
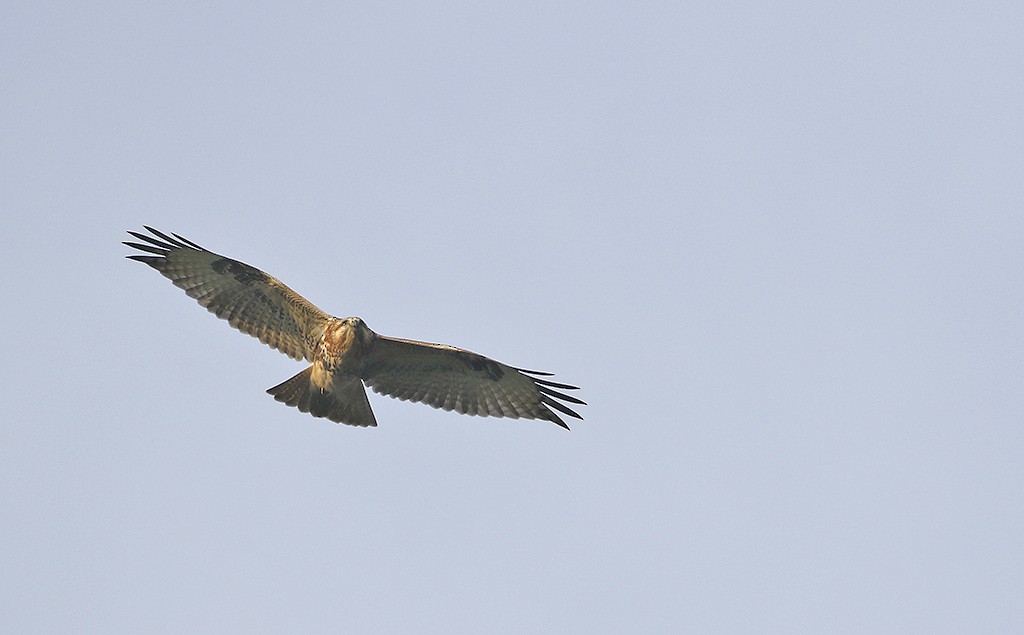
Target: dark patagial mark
[242, 272]
[483, 365]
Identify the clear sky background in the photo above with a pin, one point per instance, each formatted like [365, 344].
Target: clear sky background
[778, 245]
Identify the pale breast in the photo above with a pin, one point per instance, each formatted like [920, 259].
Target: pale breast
[338, 350]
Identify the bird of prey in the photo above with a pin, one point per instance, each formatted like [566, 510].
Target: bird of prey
[344, 353]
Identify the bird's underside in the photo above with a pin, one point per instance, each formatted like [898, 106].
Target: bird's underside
[343, 352]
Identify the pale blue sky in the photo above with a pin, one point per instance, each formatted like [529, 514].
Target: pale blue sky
[778, 245]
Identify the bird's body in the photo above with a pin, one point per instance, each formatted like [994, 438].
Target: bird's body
[344, 353]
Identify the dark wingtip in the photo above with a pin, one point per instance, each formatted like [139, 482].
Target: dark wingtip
[163, 236]
[534, 372]
[152, 261]
[548, 397]
[545, 381]
[555, 419]
[188, 242]
[157, 242]
[557, 395]
[564, 409]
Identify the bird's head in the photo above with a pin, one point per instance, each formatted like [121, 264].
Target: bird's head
[360, 332]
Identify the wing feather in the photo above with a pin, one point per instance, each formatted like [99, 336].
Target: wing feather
[455, 379]
[250, 300]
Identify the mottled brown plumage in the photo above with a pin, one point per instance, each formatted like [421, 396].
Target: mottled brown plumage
[344, 353]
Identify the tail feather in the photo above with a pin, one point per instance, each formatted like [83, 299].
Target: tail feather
[345, 401]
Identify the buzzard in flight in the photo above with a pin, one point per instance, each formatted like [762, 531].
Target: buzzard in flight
[344, 352]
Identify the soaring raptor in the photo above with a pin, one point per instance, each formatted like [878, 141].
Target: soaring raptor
[344, 352]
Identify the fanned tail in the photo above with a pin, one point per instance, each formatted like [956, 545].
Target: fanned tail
[345, 403]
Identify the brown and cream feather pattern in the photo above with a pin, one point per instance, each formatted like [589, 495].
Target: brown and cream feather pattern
[345, 354]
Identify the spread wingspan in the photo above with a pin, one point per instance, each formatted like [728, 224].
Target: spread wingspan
[250, 300]
[344, 352]
[455, 379]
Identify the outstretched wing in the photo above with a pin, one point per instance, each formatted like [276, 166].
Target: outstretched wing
[250, 300]
[455, 379]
